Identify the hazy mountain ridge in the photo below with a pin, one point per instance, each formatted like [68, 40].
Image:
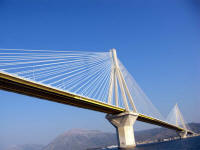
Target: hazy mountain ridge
[162, 133]
[78, 139]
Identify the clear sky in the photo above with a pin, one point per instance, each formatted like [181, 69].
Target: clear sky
[157, 41]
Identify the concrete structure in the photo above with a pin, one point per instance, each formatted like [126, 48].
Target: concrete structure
[182, 134]
[123, 123]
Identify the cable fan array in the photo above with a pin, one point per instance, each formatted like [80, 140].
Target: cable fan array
[142, 102]
[83, 73]
[175, 117]
[86, 74]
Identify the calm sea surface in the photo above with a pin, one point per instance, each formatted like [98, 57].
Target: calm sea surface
[185, 144]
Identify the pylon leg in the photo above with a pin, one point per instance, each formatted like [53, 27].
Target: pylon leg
[123, 123]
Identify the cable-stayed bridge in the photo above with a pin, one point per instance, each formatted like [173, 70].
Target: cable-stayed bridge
[91, 80]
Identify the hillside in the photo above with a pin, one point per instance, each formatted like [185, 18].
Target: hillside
[162, 133]
[78, 139]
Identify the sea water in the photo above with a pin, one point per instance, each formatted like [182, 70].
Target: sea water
[192, 143]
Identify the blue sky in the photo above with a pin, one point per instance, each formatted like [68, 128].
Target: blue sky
[157, 41]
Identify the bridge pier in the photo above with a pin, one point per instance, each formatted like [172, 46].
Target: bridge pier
[123, 123]
[182, 134]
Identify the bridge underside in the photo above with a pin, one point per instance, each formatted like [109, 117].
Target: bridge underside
[19, 85]
[25, 87]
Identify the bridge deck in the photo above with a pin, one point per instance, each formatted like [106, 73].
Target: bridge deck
[22, 86]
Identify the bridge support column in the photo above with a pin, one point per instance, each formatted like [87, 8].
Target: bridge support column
[123, 123]
[183, 134]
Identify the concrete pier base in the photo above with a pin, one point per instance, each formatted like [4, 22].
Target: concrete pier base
[183, 134]
[123, 123]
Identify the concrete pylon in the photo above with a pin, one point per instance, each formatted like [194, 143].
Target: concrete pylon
[182, 134]
[123, 123]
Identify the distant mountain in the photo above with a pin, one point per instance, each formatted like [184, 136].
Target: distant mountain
[78, 139]
[162, 133]
[26, 147]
